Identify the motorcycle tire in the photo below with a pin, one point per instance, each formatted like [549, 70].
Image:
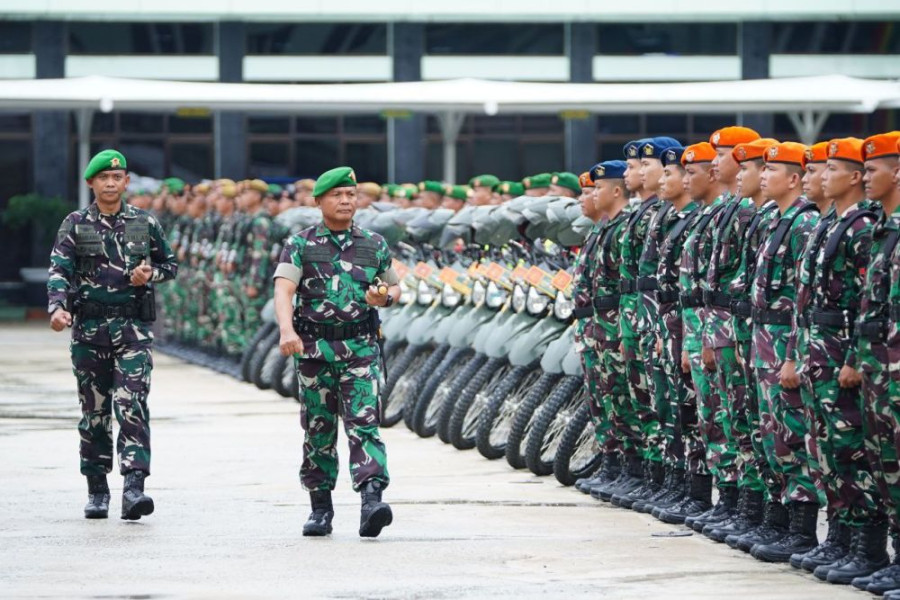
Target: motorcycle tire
[524, 420]
[577, 455]
[415, 382]
[468, 409]
[551, 422]
[394, 394]
[263, 349]
[427, 408]
[247, 356]
[496, 418]
[284, 370]
[448, 394]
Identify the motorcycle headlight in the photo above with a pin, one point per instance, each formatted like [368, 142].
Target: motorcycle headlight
[478, 293]
[518, 298]
[494, 296]
[563, 307]
[406, 293]
[424, 294]
[450, 297]
[536, 303]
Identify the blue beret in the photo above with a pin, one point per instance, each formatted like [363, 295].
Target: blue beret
[631, 149]
[667, 141]
[609, 169]
[672, 156]
[654, 147]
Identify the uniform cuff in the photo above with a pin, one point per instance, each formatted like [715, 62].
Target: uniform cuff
[289, 272]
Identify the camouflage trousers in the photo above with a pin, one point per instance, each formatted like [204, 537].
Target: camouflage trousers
[842, 468]
[658, 388]
[347, 390]
[642, 409]
[728, 383]
[617, 402]
[881, 390]
[757, 465]
[707, 402]
[252, 316]
[113, 379]
[593, 376]
[230, 321]
[789, 448]
[684, 447]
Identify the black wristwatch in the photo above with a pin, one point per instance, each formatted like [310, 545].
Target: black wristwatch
[388, 301]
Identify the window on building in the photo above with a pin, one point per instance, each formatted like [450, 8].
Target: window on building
[268, 125]
[146, 157]
[494, 38]
[316, 38]
[269, 159]
[191, 162]
[368, 159]
[667, 38]
[140, 38]
[141, 123]
[15, 37]
[197, 124]
[822, 37]
[314, 156]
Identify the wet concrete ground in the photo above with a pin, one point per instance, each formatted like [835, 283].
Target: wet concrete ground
[230, 511]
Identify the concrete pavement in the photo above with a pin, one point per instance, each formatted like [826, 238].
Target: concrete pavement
[230, 511]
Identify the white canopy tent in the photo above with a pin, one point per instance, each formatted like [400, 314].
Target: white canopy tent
[806, 100]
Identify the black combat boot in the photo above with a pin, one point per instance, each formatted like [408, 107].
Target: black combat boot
[319, 521]
[750, 515]
[774, 526]
[870, 555]
[724, 510]
[698, 501]
[375, 514]
[628, 480]
[835, 547]
[135, 504]
[654, 473]
[886, 579]
[97, 506]
[608, 472]
[667, 497]
[801, 536]
[664, 487]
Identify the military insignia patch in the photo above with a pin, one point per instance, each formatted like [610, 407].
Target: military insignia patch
[689, 156]
[526, 182]
[670, 155]
[599, 172]
[505, 188]
[421, 186]
[114, 163]
[353, 176]
[476, 183]
[716, 137]
[773, 152]
[555, 179]
[632, 151]
[832, 149]
[648, 150]
[809, 154]
[741, 153]
[870, 148]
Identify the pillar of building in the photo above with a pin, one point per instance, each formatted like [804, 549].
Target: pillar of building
[51, 127]
[229, 127]
[406, 133]
[754, 42]
[580, 130]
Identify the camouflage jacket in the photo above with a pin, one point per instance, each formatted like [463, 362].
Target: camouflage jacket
[92, 261]
[608, 258]
[774, 286]
[583, 291]
[671, 246]
[632, 246]
[877, 291]
[224, 246]
[830, 277]
[692, 271]
[727, 244]
[648, 309]
[256, 257]
[739, 288]
[334, 269]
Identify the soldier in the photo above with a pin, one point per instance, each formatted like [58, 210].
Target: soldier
[507, 190]
[103, 265]
[367, 194]
[783, 420]
[483, 189]
[564, 184]
[254, 261]
[303, 192]
[877, 346]
[431, 193]
[537, 185]
[339, 275]
[455, 196]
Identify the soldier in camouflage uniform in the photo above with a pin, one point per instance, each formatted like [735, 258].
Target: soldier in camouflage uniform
[338, 274]
[830, 279]
[700, 183]
[718, 354]
[105, 259]
[877, 350]
[612, 203]
[783, 417]
[225, 291]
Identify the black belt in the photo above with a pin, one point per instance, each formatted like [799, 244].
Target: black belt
[606, 302]
[646, 284]
[895, 312]
[741, 308]
[828, 318]
[667, 296]
[771, 317]
[692, 300]
[874, 330]
[628, 286]
[337, 331]
[583, 312]
[717, 299]
[97, 310]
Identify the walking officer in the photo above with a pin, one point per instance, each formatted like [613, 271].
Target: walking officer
[338, 274]
[105, 261]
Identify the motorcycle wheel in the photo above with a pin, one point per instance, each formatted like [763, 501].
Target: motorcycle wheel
[524, 420]
[248, 354]
[551, 422]
[394, 395]
[500, 412]
[257, 364]
[577, 455]
[449, 393]
[282, 373]
[415, 382]
[464, 421]
[427, 408]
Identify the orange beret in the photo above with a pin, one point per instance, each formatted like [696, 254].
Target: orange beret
[698, 153]
[584, 180]
[752, 150]
[732, 136]
[849, 149]
[817, 153]
[789, 153]
[881, 145]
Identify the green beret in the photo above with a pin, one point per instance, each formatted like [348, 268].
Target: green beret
[339, 177]
[513, 188]
[107, 160]
[541, 180]
[431, 186]
[274, 189]
[174, 185]
[484, 181]
[401, 192]
[460, 192]
[567, 180]
[389, 188]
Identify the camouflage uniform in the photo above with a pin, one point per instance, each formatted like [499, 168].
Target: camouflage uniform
[225, 290]
[878, 359]
[756, 469]
[256, 270]
[173, 296]
[90, 269]
[337, 376]
[679, 420]
[783, 416]
[635, 369]
[829, 282]
[697, 250]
